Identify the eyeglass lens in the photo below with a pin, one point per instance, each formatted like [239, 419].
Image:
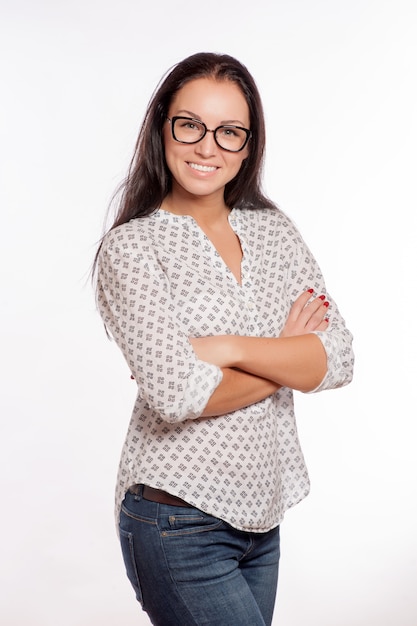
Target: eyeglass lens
[191, 131]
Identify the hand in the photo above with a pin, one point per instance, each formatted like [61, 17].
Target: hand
[306, 315]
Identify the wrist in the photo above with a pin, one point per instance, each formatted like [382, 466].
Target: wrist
[241, 349]
[233, 350]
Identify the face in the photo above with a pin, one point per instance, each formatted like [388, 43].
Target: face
[203, 168]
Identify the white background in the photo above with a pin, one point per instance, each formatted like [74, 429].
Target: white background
[338, 80]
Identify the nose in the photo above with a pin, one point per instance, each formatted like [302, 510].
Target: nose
[207, 146]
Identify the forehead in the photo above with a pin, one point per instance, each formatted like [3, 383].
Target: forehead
[208, 97]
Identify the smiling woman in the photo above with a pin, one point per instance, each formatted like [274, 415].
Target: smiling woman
[221, 311]
[201, 165]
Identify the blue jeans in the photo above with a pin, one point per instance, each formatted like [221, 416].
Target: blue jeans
[192, 569]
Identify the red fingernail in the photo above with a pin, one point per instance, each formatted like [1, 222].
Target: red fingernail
[325, 304]
[322, 297]
[326, 319]
[310, 290]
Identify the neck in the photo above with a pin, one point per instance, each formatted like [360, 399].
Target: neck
[204, 209]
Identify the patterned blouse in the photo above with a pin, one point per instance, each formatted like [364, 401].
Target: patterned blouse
[161, 281]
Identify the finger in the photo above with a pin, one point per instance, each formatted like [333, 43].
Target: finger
[317, 317]
[313, 309]
[299, 304]
[324, 324]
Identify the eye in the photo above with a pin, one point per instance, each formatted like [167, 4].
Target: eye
[189, 125]
[228, 131]
[187, 130]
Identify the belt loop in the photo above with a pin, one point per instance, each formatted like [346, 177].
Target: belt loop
[137, 491]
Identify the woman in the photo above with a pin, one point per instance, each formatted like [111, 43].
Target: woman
[220, 311]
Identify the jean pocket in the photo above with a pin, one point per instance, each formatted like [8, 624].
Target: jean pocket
[189, 523]
[128, 552]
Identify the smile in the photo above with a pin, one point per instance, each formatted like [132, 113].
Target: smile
[202, 168]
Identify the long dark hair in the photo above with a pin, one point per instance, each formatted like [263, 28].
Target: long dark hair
[149, 180]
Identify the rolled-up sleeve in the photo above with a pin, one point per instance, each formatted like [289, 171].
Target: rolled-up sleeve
[304, 273]
[340, 359]
[135, 304]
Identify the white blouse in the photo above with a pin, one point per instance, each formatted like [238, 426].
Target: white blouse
[161, 281]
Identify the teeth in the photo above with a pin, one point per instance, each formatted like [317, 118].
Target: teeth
[202, 168]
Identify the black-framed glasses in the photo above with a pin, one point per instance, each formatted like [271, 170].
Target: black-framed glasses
[228, 137]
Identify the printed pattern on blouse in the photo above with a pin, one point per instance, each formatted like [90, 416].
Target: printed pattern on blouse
[161, 281]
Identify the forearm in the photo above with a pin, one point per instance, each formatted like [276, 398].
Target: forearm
[298, 362]
[237, 390]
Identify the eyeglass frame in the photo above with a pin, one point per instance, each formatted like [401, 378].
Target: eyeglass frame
[173, 119]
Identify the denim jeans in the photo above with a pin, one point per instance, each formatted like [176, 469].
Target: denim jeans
[192, 569]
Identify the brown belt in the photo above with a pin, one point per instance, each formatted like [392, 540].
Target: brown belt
[157, 495]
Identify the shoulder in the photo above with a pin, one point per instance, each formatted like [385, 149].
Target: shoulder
[137, 235]
[267, 221]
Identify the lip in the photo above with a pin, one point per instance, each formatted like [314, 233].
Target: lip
[202, 168]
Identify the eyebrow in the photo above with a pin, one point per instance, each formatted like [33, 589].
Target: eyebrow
[197, 117]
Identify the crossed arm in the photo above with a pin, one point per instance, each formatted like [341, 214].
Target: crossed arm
[255, 367]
